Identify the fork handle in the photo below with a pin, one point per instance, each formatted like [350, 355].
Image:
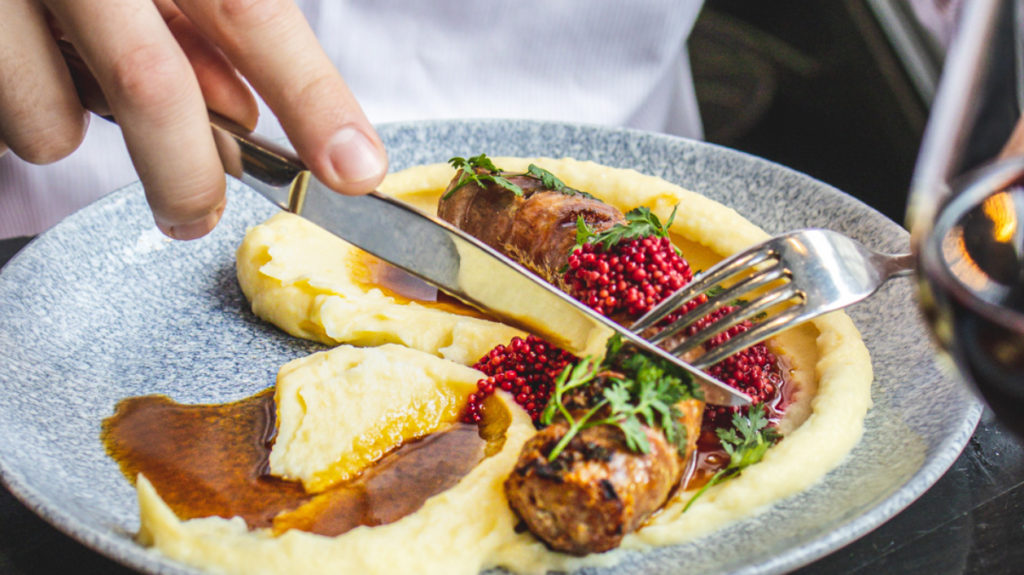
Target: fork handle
[898, 265]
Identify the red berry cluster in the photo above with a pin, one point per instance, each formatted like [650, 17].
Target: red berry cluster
[754, 371]
[634, 275]
[623, 280]
[629, 278]
[526, 368]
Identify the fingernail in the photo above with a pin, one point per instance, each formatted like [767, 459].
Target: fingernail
[196, 228]
[354, 158]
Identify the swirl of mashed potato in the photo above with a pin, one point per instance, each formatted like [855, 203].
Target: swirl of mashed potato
[295, 275]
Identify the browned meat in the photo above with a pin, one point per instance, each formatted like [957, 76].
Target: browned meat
[537, 229]
[597, 490]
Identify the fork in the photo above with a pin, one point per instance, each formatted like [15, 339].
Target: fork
[776, 285]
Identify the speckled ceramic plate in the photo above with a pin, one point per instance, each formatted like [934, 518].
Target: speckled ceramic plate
[104, 307]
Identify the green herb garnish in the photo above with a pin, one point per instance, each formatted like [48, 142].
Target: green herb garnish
[646, 393]
[547, 179]
[717, 289]
[550, 182]
[746, 442]
[469, 174]
[713, 291]
[640, 223]
[493, 174]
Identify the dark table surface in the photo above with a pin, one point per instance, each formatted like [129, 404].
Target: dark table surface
[970, 521]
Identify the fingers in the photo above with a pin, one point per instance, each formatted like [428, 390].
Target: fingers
[223, 90]
[41, 119]
[274, 48]
[155, 97]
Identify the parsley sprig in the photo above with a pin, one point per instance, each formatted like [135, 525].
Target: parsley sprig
[549, 181]
[746, 442]
[640, 223]
[492, 174]
[645, 392]
[469, 174]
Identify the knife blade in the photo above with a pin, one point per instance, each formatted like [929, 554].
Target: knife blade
[437, 252]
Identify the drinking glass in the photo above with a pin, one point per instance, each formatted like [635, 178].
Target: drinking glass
[967, 222]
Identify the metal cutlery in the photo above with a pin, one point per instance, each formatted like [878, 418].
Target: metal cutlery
[775, 285]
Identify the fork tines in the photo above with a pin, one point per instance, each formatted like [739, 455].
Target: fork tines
[757, 274]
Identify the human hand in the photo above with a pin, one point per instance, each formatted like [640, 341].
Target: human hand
[161, 64]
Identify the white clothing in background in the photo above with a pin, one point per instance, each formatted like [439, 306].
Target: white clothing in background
[593, 61]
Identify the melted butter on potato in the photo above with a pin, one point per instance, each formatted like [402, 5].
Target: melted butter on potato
[294, 274]
[341, 410]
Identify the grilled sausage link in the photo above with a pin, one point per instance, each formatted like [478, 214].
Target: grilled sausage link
[537, 229]
[597, 490]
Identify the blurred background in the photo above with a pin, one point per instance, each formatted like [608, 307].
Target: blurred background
[839, 90]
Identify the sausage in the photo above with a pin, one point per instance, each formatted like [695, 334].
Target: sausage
[597, 490]
[537, 229]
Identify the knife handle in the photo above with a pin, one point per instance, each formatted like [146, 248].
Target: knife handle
[273, 170]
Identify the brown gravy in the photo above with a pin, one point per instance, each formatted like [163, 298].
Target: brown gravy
[211, 460]
[709, 457]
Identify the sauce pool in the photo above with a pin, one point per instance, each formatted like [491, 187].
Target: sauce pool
[372, 272]
[211, 460]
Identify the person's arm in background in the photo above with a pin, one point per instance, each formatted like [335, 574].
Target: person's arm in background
[160, 65]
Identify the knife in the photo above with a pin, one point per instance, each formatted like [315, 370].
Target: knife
[427, 247]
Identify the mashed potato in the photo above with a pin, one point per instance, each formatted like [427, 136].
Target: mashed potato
[469, 528]
[308, 282]
[387, 395]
